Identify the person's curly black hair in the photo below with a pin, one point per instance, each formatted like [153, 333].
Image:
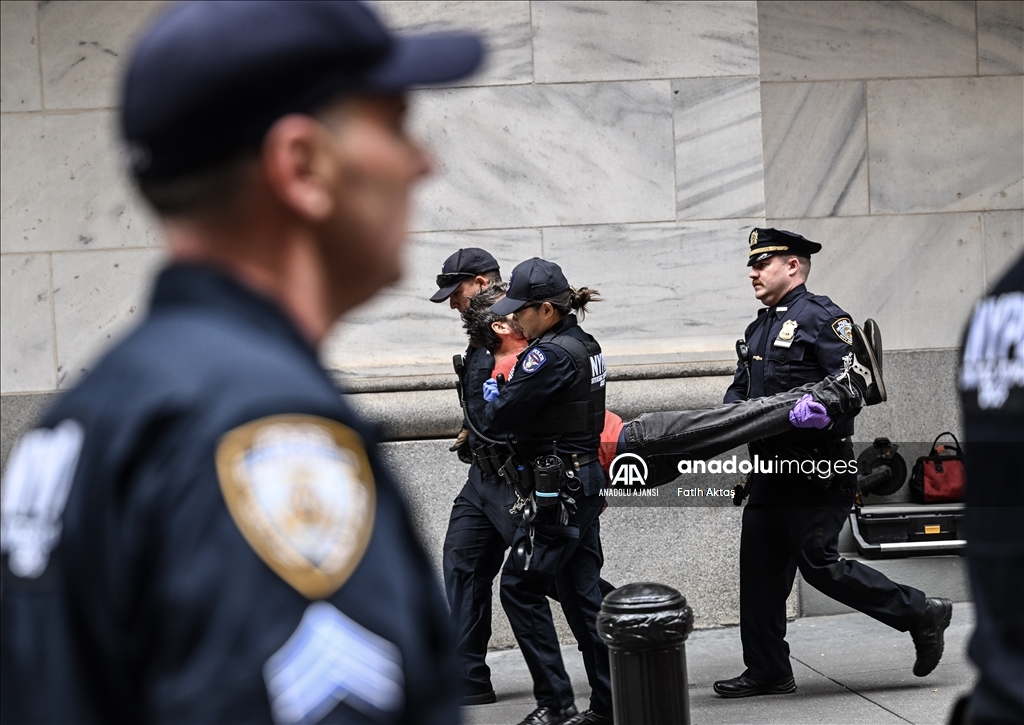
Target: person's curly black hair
[477, 318]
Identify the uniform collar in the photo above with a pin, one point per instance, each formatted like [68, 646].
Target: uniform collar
[792, 296]
[562, 325]
[215, 290]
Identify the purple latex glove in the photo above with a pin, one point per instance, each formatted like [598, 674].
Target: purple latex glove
[809, 413]
[490, 389]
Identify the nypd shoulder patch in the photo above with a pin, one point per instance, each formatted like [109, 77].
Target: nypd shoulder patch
[300, 489]
[843, 328]
[533, 361]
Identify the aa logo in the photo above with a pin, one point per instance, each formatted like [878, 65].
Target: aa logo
[628, 469]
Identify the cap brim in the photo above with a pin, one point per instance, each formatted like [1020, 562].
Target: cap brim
[506, 306]
[760, 258]
[424, 60]
[445, 292]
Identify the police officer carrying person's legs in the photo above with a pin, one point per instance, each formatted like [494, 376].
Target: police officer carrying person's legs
[480, 527]
[552, 411]
[203, 530]
[792, 519]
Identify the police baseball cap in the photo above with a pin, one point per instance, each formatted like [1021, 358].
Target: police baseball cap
[766, 242]
[533, 280]
[210, 77]
[464, 264]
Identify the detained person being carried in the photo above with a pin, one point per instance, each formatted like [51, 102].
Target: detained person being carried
[666, 438]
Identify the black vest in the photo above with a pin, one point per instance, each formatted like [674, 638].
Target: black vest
[576, 413]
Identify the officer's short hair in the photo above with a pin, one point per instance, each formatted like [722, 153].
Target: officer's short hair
[805, 263]
[195, 193]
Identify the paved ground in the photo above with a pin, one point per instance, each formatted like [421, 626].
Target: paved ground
[849, 669]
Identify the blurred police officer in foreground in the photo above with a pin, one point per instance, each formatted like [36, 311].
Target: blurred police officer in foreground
[992, 393]
[480, 527]
[202, 530]
[552, 408]
[793, 520]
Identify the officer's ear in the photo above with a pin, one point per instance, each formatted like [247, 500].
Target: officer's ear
[297, 162]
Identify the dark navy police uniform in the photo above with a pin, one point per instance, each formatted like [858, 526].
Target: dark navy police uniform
[479, 531]
[793, 519]
[992, 393]
[203, 531]
[555, 387]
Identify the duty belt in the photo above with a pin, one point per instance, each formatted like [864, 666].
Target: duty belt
[490, 457]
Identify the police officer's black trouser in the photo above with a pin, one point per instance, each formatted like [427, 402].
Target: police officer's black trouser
[479, 531]
[789, 524]
[995, 564]
[663, 439]
[578, 584]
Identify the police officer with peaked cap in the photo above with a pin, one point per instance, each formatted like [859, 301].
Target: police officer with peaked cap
[552, 410]
[203, 530]
[480, 527]
[793, 520]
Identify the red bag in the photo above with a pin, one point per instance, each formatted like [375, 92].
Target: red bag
[939, 477]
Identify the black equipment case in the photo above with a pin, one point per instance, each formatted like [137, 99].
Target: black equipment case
[892, 531]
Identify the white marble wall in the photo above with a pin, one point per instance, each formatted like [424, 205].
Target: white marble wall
[633, 142]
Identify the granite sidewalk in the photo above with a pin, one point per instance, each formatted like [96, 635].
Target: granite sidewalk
[849, 669]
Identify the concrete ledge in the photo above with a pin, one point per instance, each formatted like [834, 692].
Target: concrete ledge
[936, 576]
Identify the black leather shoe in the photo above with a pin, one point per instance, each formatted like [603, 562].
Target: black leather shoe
[745, 687]
[589, 717]
[481, 697]
[928, 641]
[550, 715]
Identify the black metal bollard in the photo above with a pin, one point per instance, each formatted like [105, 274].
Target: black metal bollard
[645, 627]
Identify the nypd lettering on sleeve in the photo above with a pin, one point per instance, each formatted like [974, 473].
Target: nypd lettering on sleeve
[533, 361]
[36, 487]
[993, 359]
[331, 659]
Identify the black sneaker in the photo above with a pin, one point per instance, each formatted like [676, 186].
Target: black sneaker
[927, 635]
[863, 370]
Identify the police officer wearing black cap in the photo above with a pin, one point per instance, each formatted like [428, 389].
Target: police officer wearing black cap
[552, 411]
[793, 520]
[480, 527]
[203, 529]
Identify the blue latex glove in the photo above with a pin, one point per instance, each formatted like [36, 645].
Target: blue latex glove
[809, 413]
[491, 389]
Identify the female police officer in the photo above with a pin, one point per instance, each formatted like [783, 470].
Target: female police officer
[552, 410]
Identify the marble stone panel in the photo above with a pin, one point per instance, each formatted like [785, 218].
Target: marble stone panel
[829, 40]
[603, 41]
[1000, 37]
[918, 275]
[19, 57]
[97, 296]
[504, 25]
[27, 338]
[949, 144]
[1004, 242]
[524, 156]
[84, 48]
[815, 148]
[401, 329]
[718, 157]
[64, 188]
[667, 287]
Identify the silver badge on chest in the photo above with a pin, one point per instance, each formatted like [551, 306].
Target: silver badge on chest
[786, 334]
